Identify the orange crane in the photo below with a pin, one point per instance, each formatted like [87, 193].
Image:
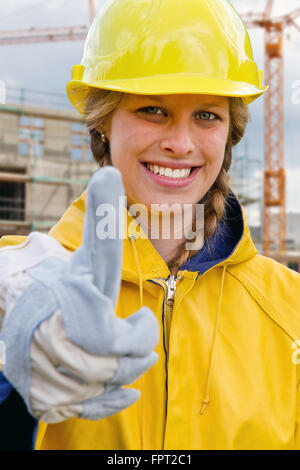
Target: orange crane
[274, 205]
[33, 35]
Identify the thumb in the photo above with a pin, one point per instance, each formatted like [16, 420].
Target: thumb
[102, 248]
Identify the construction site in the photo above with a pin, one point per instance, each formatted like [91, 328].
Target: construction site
[46, 162]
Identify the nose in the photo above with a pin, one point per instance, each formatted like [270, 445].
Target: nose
[177, 142]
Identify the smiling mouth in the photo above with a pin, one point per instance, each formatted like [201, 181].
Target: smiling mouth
[176, 173]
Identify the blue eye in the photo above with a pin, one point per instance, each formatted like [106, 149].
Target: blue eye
[207, 116]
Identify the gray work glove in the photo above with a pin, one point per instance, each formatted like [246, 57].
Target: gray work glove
[67, 354]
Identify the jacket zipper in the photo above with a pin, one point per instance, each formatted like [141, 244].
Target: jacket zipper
[169, 299]
[171, 291]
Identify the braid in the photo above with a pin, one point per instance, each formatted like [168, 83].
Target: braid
[100, 150]
[214, 203]
[214, 209]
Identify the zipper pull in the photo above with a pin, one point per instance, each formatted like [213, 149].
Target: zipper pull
[171, 285]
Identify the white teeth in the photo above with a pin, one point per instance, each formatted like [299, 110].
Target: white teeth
[162, 171]
[186, 172]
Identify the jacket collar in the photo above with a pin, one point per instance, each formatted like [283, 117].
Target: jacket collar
[231, 244]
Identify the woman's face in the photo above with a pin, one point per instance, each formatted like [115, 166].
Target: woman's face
[169, 148]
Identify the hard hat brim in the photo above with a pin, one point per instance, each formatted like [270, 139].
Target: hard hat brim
[77, 90]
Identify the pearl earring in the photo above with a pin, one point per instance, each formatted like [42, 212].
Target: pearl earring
[104, 139]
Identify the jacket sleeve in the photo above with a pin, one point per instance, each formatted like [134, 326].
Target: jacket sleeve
[16, 424]
[5, 388]
[11, 240]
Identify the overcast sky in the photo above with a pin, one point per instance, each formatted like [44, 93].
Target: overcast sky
[46, 67]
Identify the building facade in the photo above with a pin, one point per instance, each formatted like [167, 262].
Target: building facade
[45, 163]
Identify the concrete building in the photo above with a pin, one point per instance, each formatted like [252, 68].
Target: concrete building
[45, 163]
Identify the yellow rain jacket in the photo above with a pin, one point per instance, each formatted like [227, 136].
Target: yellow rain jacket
[229, 352]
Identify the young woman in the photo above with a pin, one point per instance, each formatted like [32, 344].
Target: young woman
[164, 86]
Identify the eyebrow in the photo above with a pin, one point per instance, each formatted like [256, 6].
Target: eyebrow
[161, 99]
[153, 97]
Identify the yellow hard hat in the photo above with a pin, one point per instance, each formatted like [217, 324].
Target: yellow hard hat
[167, 47]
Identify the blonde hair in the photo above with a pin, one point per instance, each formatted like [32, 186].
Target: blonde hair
[99, 107]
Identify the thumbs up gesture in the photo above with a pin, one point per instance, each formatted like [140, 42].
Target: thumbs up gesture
[67, 353]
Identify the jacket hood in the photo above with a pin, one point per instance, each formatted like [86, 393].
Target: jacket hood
[231, 244]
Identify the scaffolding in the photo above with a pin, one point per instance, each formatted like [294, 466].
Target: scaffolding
[45, 163]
